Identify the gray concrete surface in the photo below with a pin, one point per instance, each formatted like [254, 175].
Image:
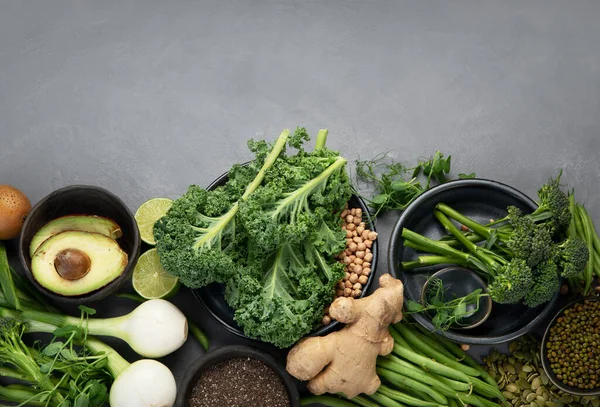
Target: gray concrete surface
[146, 97]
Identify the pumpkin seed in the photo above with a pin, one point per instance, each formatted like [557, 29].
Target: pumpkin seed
[536, 383]
[513, 388]
[508, 395]
[530, 397]
[527, 368]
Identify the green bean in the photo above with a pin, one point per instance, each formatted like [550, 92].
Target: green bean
[485, 389]
[363, 402]
[395, 378]
[487, 403]
[385, 401]
[405, 398]
[470, 399]
[399, 339]
[429, 351]
[452, 403]
[402, 367]
[435, 345]
[329, 401]
[453, 384]
[468, 360]
[429, 364]
[589, 272]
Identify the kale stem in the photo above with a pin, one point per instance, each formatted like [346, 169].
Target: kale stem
[321, 139]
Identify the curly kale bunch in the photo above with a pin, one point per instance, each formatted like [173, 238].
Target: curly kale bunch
[271, 233]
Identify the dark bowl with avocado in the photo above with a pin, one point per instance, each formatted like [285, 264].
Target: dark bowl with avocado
[79, 244]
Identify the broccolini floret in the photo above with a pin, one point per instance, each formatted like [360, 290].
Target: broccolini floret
[572, 256]
[546, 284]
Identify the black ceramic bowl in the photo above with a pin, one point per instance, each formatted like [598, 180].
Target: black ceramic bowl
[546, 363]
[193, 373]
[86, 200]
[212, 297]
[481, 200]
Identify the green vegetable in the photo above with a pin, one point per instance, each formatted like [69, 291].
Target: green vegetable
[448, 313]
[394, 185]
[8, 288]
[270, 235]
[545, 283]
[510, 278]
[196, 239]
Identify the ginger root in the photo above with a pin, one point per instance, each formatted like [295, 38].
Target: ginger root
[344, 361]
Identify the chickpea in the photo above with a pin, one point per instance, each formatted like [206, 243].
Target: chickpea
[361, 246]
[360, 254]
[344, 227]
[357, 268]
[347, 284]
[465, 347]
[349, 219]
[341, 285]
[358, 261]
[348, 234]
[365, 234]
[351, 226]
[346, 275]
[363, 280]
[347, 292]
[360, 229]
[366, 264]
[348, 241]
[372, 236]
[357, 286]
[356, 293]
[353, 246]
[339, 293]
[362, 224]
[366, 271]
[326, 320]
[344, 213]
[358, 211]
[368, 257]
[357, 220]
[354, 234]
[368, 243]
[353, 278]
[347, 260]
[357, 239]
[352, 258]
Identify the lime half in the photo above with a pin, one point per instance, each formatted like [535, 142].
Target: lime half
[150, 280]
[147, 215]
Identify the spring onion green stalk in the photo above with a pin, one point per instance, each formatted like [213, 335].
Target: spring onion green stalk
[154, 329]
[8, 287]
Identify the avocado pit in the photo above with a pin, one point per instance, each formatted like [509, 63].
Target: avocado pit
[72, 264]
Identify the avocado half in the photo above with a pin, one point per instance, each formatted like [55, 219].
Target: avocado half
[84, 223]
[74, 262]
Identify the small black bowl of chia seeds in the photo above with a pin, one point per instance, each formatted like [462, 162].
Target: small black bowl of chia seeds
[236, 376]
[570, 350]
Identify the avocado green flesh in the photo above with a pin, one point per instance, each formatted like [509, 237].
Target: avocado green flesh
[84, 223]
[107, 262]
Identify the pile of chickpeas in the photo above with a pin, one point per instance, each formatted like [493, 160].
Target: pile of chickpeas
[356, 258]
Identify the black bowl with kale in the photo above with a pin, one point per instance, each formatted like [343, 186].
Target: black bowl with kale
[212, 297]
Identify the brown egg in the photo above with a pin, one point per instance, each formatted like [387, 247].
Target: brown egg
[14, 207]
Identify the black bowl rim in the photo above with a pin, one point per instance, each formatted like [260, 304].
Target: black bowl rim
[396, 238]
[476, 277]
[324, 330]
[228, 352]
[546, 362]
[102, 292]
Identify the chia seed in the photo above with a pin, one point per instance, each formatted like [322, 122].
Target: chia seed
[239, 382]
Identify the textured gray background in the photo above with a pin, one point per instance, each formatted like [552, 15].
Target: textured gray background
[147, 97]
